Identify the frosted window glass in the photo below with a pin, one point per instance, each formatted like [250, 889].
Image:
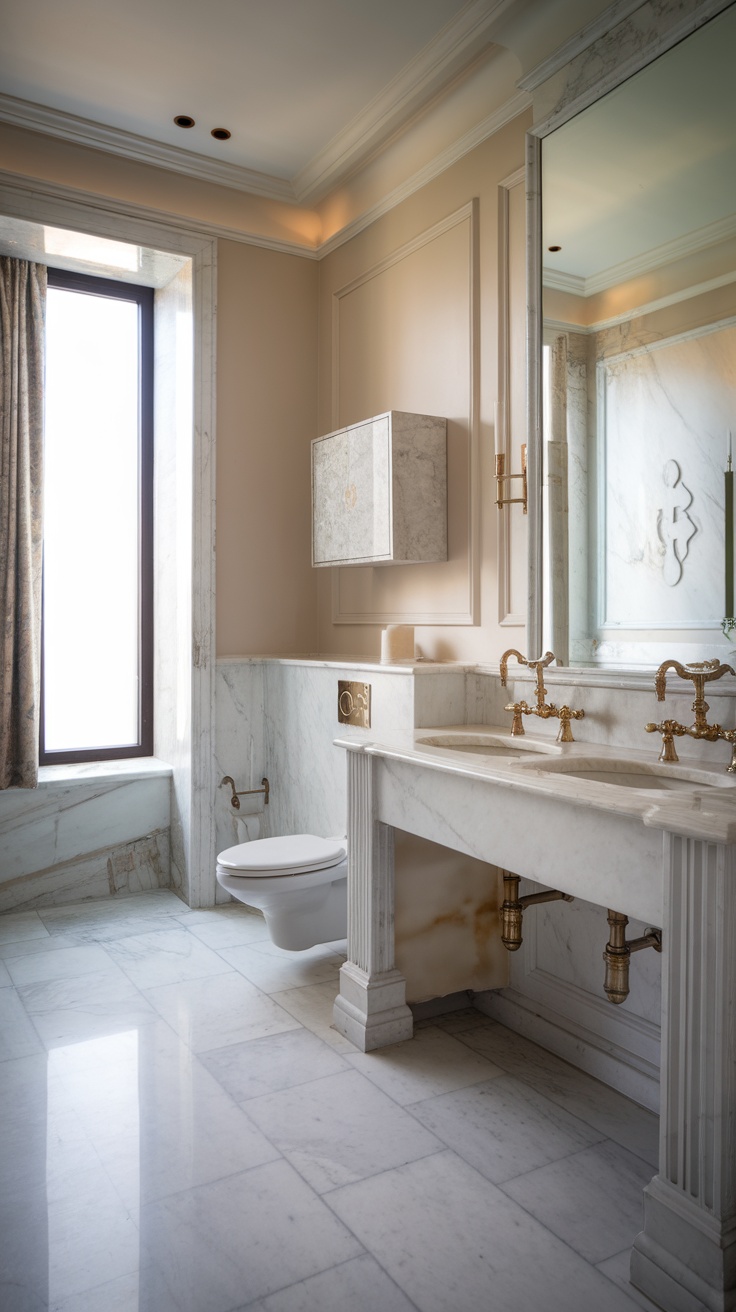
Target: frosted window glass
[91, 523]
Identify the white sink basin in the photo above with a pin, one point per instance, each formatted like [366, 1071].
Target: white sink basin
[640, 775]
[484, 744]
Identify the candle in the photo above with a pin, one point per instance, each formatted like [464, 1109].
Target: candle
[728, 477]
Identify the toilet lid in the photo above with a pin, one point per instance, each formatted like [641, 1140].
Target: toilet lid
[278, 856]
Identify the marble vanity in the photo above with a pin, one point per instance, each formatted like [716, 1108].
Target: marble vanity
[656, 842]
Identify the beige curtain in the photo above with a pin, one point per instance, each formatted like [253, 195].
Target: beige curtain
[22, 309]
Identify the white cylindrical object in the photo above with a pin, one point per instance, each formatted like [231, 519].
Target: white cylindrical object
[249, 828]
[397, 644]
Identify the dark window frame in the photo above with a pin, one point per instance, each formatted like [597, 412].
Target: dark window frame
[143, 297]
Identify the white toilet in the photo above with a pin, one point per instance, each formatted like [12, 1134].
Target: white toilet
[298, 882]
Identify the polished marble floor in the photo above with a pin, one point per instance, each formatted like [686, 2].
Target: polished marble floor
[182, 1130]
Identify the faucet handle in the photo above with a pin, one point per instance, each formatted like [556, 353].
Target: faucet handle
[566, 715]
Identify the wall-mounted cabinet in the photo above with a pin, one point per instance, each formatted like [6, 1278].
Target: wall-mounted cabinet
[379, 492]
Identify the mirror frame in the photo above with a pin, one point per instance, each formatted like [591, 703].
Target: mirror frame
[561, 87]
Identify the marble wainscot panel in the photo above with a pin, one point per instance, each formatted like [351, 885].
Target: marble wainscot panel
[239, 752]
[87, 831]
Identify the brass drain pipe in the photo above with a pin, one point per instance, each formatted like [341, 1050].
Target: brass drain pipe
[617, 955]
[513, 908]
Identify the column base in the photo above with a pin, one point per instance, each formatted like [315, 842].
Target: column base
[370, 1010]
[683, 1259]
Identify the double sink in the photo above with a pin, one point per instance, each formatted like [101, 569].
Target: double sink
[621, 772]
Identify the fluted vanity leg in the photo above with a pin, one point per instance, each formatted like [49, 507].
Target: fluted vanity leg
[685, 1257]
[370, 1009]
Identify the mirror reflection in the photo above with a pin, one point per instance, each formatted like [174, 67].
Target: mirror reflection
[639, 362]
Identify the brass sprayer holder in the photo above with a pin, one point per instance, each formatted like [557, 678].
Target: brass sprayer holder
[513, 908]
[617, 955]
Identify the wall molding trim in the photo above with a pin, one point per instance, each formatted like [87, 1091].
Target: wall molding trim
[467, 214]
[507, 617]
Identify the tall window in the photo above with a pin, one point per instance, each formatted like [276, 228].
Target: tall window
[97, 684]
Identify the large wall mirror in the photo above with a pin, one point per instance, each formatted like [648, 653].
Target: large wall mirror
[638, 363]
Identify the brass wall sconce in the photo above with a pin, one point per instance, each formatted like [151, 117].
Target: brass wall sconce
[617, 955]
[513, 908]
[502, 477]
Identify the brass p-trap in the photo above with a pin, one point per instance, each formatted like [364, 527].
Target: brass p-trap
[617, 955]
[513, 908]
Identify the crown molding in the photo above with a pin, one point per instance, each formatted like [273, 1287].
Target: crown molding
[615, 13]
[418, 83]
[679, 248]
[85, 132]
[25, 191]
[517, 104]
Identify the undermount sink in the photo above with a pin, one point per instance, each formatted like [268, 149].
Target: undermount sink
[640, 775]
[483, 744]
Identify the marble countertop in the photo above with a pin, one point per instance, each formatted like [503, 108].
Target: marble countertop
[704, 807]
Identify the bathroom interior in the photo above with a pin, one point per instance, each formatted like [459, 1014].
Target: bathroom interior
[479, 695]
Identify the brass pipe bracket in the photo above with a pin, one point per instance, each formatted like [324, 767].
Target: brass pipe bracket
[513, 908]
[617, 955]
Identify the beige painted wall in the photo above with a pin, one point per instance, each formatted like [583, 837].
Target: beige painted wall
[409, 320]
[266, 418]
[420, 334]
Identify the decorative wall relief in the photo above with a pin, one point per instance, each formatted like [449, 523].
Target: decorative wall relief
[674, 525]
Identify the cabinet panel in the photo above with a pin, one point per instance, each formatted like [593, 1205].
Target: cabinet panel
[379, 491]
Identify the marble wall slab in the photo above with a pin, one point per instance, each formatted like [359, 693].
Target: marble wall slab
[86, 831]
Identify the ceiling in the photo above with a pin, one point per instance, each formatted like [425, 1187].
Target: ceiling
[307, 88]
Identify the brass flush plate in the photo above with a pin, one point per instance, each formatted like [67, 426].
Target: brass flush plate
[354, 703]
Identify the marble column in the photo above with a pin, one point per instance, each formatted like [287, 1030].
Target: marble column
[685, 1257]
[370, 1009]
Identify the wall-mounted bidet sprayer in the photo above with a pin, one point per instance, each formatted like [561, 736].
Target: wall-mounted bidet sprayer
[245, 792]
[617, 955]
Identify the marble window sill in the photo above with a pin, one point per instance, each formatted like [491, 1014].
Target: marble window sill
[85, 772]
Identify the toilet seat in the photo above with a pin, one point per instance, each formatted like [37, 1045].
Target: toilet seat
[295, 854]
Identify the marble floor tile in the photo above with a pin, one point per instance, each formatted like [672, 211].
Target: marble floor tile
[356, 1286]
[5, 980]
[272, 973]
[166, 956]
[124, 906]
[607, 1110]
[143, 1290]
[431, 1063]
[65, 963]
[227, 1244]
[503, 1128]
[157, 1119]
[313, 1005]
[268, 1065]
[22, 925]
[219, 1010]
[451, 1240]
[617, 1269]
[456, 1022]
[340, 1129]
[227, 929]
[18, 1038]
[74, 1010]
[592, 1200]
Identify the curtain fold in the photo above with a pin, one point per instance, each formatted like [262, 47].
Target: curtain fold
[22, 314]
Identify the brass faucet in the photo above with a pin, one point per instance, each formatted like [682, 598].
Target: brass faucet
[700, 673]
[545, 710]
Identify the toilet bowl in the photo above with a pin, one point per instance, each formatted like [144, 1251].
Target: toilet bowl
[299, 883]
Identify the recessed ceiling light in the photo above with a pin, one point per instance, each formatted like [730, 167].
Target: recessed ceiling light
[554, 248]
[220, 134]
[184, 121]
